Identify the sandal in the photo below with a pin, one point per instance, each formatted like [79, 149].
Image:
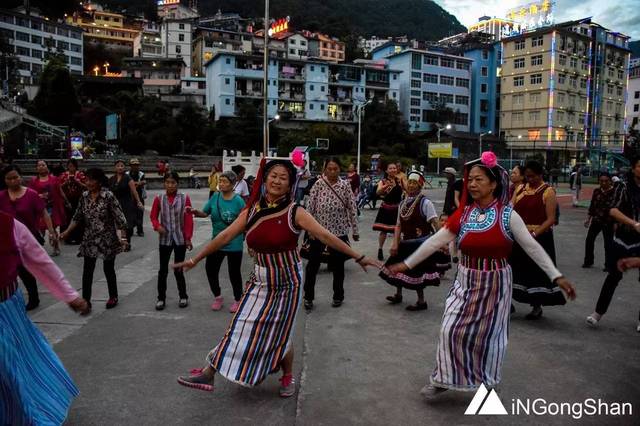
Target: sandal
[396, 298]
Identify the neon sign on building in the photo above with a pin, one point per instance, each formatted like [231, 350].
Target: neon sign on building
[279, 26]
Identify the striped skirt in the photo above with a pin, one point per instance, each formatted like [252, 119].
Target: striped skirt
[260, 332]
[475, 326]
[35, 389]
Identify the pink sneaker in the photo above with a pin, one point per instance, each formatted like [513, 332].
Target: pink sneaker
[234, 308]
[217, 303]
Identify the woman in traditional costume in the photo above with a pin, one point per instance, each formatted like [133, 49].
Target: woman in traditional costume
[35, 389]
[417, 221]
[258, 340]
[475, 324]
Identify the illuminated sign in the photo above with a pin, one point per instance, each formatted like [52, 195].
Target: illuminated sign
[529, 17]
[167, 2]
[279, 26]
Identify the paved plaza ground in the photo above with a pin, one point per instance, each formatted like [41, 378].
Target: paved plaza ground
[361, 364]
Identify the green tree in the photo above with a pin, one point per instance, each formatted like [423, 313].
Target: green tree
[56, 101]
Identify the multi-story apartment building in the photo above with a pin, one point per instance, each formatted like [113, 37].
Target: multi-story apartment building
[428, 80]
[563, 87]
[633, 99]
[324, 48]
[300, 90]
[105, 28]
[33, 36]
[176, 35]
[148, 43]
[160, 76]
[208, 41]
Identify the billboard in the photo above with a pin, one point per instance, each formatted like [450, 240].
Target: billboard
[77, 147]
[440, 150]
[529, 16]
[112, 127]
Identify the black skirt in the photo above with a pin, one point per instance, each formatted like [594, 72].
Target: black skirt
[424, 274]
[530, 284]
[386, 218]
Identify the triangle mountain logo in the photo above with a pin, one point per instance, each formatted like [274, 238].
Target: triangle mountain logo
[485, 402]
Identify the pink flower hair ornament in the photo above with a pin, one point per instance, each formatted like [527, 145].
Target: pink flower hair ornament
[489, 159]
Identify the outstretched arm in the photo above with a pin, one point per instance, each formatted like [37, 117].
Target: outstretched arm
[426, 249]
[305, 221]
[538, 255]
[221, 240]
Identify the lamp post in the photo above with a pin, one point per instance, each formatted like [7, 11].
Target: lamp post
[440, 129]
[480, 141]
[275, 118]
[265, 82]
[360, 112]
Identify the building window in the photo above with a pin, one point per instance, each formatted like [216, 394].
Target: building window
[518, 63]
[518, 81]
[483, 88]
[416, 61]
[462, 100]
[22, 36]
[430, 78]
[447, 63]
[535, 79]
[431, 60]
[561, 78]
[446, 80]
[415, 84]
[431, 97]
[536, 60]
[462, 82]
[180, 37]
[519, 45]
[518, 100]
[562, 59]
[446, 98]
[485, 54]
[537, 41]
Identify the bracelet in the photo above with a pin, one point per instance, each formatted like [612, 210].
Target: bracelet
[358, 260]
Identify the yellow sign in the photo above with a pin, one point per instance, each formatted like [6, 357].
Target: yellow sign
[440, 150]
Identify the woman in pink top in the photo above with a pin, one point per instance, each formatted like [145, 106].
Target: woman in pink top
[48, 188]
[24, 205]
[34, 386]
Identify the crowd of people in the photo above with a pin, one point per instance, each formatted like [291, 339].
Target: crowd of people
[497, 226]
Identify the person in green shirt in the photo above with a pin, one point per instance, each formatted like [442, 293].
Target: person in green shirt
[223, 207]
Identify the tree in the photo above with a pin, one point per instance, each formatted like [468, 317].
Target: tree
[56, 101]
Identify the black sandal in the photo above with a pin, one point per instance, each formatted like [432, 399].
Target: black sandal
[394, 299]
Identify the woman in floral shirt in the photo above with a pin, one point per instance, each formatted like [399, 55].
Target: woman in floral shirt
[331, 203]
[101, 215]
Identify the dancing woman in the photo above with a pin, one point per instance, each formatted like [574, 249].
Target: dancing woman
[258, 340]
[35, 389]
[475, 324]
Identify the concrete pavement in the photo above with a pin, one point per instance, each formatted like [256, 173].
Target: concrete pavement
[362, 363]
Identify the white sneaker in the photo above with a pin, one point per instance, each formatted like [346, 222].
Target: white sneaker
[592, 321]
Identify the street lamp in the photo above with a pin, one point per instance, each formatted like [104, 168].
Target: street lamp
[480, 140]
[275, 118]
[360, 112]
[440, 129]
